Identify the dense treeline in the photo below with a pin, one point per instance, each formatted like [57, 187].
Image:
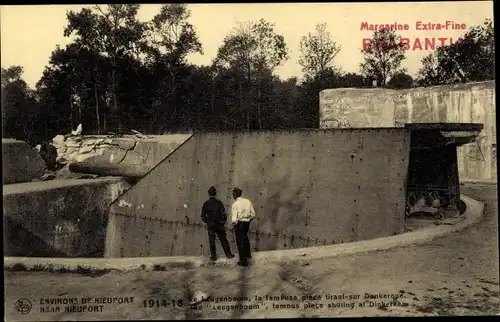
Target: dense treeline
[120, 73]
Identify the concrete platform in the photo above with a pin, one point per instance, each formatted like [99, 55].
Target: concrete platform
[472, 216]
[478, 181]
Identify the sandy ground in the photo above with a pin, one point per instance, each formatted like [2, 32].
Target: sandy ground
[454, 275]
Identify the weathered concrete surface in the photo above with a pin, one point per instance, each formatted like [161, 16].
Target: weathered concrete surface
[126, 150]
[20, 162]
[58, 218]
[305, 186]
[472, 216]
[462, 103]
[133, 151]
[357, 108]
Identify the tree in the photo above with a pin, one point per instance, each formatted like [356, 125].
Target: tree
[470, 59]
[73, 89]
[317, 51]
[252, 51]
[113, 32]
[170, 35]
[352, 80]
[400, 81]
[170, 39]
[19, 107]
[383, 56]
[428, 74]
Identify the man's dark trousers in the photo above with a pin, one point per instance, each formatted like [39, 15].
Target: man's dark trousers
[242, 241]
[221, 232]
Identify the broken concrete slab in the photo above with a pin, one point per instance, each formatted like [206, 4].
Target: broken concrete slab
[21, 163]
[130, 150]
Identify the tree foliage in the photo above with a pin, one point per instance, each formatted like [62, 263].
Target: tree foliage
[19, 110]
[468, 60]
[400, 81]
[383, 56]
[318, 52]
[251, 53]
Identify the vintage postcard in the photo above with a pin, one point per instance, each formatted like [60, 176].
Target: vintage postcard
[234, 161]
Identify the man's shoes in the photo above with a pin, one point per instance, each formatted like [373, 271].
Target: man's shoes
[230, 256]
[242, 264]
[213, 259]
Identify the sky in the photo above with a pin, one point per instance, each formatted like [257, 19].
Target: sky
[29, 33]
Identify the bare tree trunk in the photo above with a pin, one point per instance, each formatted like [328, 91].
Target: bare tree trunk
[258, 111]
[259, 102]
[241, 101]
[97, 110]
[46, 129]
[113, 89]
[80, 113]
[70, 110]
[212, 105]
[249, 101]
[151, 119]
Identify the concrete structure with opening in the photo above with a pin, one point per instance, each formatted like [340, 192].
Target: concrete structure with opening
[309, 187]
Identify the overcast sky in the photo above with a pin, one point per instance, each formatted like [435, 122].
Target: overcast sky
[30, 33]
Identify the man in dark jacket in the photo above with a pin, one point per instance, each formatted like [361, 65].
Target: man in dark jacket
[214, 215]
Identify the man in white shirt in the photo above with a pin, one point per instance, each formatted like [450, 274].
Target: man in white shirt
[242, 214]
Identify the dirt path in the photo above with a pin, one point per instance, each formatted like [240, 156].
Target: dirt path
[455, 275]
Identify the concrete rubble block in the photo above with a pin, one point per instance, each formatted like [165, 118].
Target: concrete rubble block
[73, 144]
[20, 163]
[58, 140]
[86, 149]
[125, 144]
[113, 155]
[89, 142]
[83, 157]
[70, 150]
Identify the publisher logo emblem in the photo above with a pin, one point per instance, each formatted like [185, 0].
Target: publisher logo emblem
[23, 306]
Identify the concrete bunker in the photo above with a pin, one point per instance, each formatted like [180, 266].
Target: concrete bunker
[309, 187]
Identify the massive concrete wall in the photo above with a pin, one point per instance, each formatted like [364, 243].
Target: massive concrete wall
[308, 188]
[462, 103]
[58, 218]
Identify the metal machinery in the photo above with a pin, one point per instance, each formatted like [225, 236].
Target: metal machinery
[433, 185]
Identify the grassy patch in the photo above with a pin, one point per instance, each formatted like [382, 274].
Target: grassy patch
[50, 268]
